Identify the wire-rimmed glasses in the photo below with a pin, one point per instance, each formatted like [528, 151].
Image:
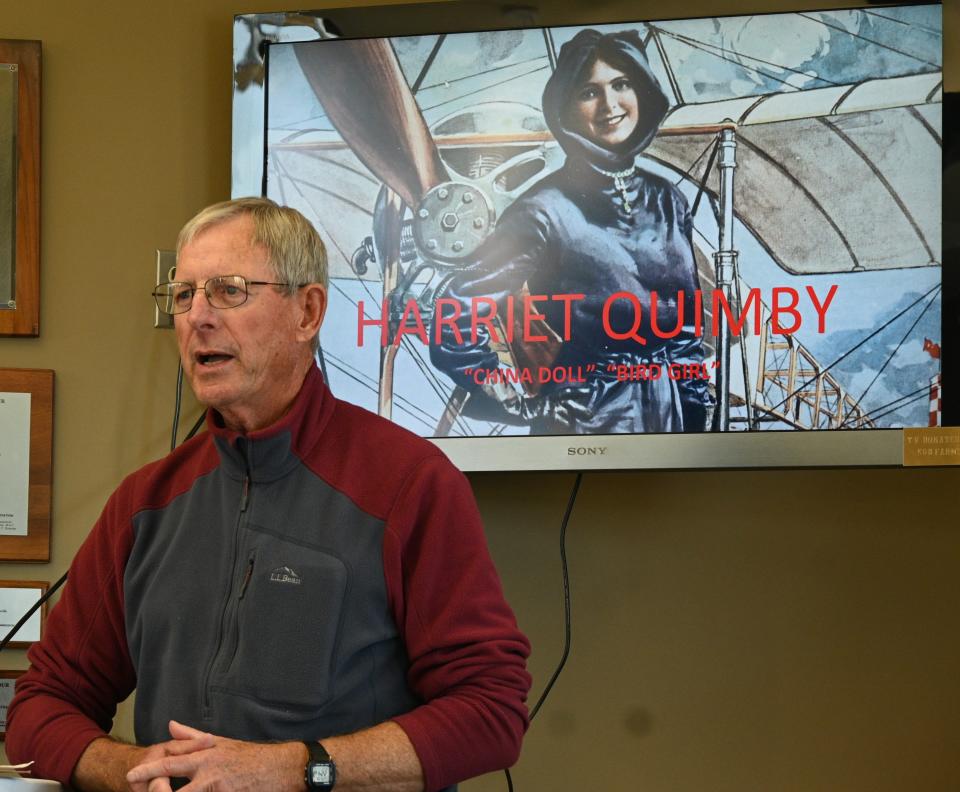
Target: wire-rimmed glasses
[222, 291]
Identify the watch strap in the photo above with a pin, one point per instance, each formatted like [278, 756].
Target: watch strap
[317, 754]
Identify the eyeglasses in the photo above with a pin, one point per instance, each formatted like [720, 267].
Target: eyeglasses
[223, 291]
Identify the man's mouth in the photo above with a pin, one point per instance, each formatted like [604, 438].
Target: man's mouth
[212, 358]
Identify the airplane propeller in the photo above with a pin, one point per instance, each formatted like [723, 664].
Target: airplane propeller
[366, 97]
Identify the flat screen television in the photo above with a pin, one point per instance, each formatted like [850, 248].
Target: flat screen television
[684, 243]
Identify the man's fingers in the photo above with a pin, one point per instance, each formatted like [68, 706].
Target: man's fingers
[166, 767]
[190, 745]
[180, 731]
[159, 785]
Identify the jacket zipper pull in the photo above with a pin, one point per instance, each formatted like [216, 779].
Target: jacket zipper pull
[246, 578]
[245, 496]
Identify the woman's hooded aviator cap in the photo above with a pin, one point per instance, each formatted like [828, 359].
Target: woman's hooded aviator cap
[623, 50]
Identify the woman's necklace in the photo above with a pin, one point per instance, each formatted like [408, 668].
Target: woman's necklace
[619, 182]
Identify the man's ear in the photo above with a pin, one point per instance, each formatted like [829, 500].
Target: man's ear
[313, 304]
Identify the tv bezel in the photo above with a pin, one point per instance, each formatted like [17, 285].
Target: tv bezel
[709, 450]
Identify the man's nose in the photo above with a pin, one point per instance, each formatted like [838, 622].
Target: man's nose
[201, 313]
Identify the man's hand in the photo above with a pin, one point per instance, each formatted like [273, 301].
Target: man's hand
[154, 753]
[104, 765]
[219, 764]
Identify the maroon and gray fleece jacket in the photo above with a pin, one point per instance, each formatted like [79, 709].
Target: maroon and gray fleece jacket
[320, 576]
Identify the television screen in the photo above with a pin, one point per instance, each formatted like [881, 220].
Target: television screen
[660, 243]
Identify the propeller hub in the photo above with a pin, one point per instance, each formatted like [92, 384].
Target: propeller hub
[451, 221]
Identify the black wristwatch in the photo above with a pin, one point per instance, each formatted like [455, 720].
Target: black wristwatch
[320, 772]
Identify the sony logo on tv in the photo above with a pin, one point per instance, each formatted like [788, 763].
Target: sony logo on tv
[587, 451]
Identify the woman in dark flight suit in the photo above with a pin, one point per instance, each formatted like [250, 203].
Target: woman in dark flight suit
[600, 225]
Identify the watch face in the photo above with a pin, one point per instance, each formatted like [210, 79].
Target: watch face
[320, 773]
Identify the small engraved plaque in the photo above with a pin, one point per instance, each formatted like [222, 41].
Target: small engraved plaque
[8, 182]
[933, 446]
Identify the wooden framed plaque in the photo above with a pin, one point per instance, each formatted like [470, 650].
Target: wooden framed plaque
[16, 598]
[26, 463]
[19, 188]
[7, 681]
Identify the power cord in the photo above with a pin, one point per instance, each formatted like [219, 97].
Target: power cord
[176, 407]
[196, 427]
[566, 600]
[567, 622]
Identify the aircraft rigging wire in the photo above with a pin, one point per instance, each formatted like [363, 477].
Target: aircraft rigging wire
[367, 382]
[360, 378]
[431, 379]
[872, 415]
[435, 385]
[871, 41]
[856, 346]
[484, 88]
[702, 186]
[744, 363]
[688, 173]
[313, 154]
[357, 374]
[919, 398]
[427, 63]
[482, 72]
[667, 65]
[706, 239]
[305, 130]
[896, 349]
[296, 183]
[912, 25]
[326, 191]
[273, 164]
[551, 47]
[710, 50]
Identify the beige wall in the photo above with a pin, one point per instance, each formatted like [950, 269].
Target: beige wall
[806, 641]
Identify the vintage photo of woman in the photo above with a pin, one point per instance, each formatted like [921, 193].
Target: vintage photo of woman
[600, 225]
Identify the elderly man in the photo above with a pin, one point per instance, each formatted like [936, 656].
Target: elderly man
[302, 596]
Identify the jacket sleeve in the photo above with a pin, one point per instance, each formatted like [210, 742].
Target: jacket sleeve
[514, 252]
[81, 668]
[467, 655]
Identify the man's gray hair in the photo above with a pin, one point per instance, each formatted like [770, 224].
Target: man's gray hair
[297, 254]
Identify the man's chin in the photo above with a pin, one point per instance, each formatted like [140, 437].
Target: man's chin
[213, 395]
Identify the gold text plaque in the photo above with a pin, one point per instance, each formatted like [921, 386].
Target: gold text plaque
[936, 445]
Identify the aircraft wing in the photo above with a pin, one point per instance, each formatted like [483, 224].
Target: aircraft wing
[838, 179]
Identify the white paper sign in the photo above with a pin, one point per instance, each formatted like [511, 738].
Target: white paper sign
[14, 602]
[14, 463]
[6, 696]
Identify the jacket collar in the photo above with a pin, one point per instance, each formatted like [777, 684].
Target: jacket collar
[273, 452]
